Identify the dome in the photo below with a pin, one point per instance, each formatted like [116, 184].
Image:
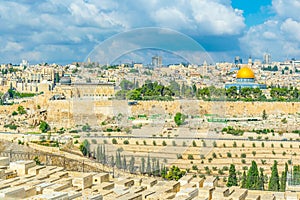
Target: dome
[245, 72]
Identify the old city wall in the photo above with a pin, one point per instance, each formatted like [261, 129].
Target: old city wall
[68, 113]
[231, 109]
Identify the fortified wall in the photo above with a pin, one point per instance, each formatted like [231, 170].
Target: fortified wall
[68, 113]
[94, 112]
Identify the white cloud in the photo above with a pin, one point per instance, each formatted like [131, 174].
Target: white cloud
[216, 18]
[291, 29]
[12, 46]
[287, 8]
[280, 35]
[78, 24]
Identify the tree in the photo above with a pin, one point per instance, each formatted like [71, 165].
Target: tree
[163, 171]
[37, 160]
[131, 164]
[148, 169]
[126, 85]
[118, 160]
[174, 173]
[86, 128]
[274, 179]
[142, 168]
[164, 143]
[100, 154]
[21, 110]
[232, 179]
[114, 141]
[252, 182]
[264, 115]
[283, 179]
[179, 119]
[44, 127]
[85, 147]
[194, 143]
[261, 179]
[124, 163]
[244, 180]
[175, 87]
[157, 168]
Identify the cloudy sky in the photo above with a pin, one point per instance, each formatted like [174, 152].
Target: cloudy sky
[69, 30]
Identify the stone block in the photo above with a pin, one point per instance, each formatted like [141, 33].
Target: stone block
[125, 183]
[22, 166]
[85, 181]
[4, 161]
[131, 197]
[185, 179]
[95, 197]
[30, 191]
[188, 192]
[53, 196]
[14, 193]
[100, 178]
[149, 182]
[35, 170]
[198, 181]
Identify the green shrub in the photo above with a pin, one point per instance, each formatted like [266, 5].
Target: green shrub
[125, 142]
[114, 141]
[190, 157]
[194, 167]
[179, 156]
[154, 143]
[194, 144]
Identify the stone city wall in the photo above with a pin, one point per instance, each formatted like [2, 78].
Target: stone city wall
[67, 113]
[71, 113]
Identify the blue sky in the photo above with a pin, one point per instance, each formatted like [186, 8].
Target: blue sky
[56, 31]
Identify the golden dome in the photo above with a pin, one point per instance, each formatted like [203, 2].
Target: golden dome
[245, 72]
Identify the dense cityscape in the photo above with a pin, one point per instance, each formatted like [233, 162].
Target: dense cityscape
[207, 128]
[154, 100]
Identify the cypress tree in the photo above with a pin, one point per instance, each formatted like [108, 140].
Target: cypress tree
[283, 179]
[252, 182]
[124, 163]
[157, 171]
[131, 165]
[163, 171]
[244, 180]
[98, 155]
[148, 169]
[261, 179]
[143, 165]
[232, 179]
[104, 154]
[274, 179]
[118, 160]
[282, 182]
[112, 161]
[153, 165]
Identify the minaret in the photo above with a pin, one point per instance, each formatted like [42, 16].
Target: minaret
[250, 61]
